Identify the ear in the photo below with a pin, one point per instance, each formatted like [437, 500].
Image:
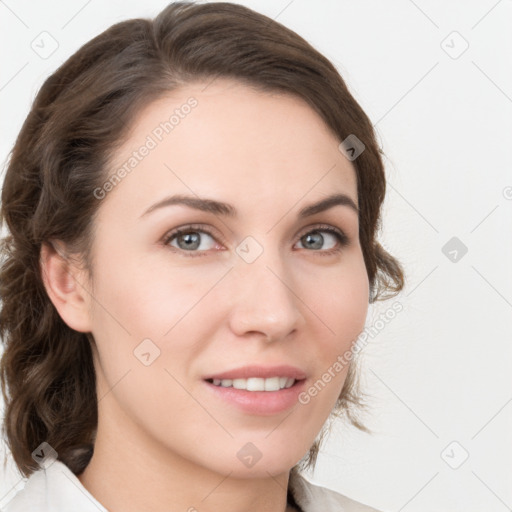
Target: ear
[63, 283]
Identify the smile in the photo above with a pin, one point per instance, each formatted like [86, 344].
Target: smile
[255, 383]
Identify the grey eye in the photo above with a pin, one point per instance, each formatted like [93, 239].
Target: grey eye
[191, 240]
[315, 240]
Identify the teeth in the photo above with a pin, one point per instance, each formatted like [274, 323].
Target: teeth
[271, 384]
[256, 383]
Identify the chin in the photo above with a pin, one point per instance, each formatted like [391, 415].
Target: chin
[259, 470]
[271, 462]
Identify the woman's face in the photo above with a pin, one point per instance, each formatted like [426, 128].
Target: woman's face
[261, 286]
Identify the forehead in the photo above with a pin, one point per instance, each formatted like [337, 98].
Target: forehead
[228, 138]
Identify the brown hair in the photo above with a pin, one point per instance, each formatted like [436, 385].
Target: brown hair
[61, 155]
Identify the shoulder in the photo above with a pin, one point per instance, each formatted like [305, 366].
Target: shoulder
[315, 498]
[53, 489]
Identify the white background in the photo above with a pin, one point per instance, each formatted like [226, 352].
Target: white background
[440, 371]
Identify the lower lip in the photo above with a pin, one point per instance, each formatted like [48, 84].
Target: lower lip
[264, 403]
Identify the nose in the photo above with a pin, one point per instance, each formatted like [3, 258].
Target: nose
[265, 300]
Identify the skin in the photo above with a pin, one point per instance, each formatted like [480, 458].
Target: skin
[163, 442]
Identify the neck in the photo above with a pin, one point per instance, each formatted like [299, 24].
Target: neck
[145, 477]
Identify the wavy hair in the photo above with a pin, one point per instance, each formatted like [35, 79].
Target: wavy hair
[79, 117]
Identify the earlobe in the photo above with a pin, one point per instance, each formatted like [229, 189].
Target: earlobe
[61, 279]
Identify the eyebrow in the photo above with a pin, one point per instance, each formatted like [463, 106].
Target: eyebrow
[228, 210]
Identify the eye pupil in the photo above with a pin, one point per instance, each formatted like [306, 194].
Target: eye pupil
[310, 237]
[190, 239]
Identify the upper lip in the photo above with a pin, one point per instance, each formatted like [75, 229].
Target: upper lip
[262, 372]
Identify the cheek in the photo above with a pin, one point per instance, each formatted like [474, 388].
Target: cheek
[147, 297]
[341, 306]
[140, 315]
[348, 307]
[340, 299]
[343, 312]
[149, 314]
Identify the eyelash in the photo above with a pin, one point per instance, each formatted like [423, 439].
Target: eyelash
[343, 240]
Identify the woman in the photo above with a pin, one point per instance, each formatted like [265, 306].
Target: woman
[193, 204]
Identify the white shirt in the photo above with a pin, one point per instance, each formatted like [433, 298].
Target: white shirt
[57, 489]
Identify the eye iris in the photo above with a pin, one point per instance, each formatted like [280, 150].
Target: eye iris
[310, 237]
[192, 240]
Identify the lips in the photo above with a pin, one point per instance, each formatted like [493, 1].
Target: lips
[263, 372]
[249, 398]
